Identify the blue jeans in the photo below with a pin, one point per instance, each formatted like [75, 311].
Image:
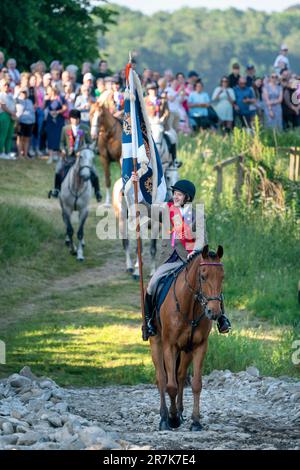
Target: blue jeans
[36, 138]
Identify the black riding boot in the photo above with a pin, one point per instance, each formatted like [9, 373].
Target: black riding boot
[95, 184]
[223, 322]
[174, 156]
[57, 185]
[150, 329]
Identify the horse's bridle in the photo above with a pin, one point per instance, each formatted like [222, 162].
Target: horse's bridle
[199, 297]
[97, 126]
[77, 195]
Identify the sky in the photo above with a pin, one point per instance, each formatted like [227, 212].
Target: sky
[151, 6]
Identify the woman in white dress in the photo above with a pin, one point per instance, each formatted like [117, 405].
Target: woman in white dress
[223, 101]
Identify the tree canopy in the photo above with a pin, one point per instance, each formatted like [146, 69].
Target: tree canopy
[52, 29]
[208, 41]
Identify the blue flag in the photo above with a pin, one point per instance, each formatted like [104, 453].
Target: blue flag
[137, 142]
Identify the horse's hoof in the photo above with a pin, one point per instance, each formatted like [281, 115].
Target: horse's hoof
[67, 242]
[196, 427]
[107, 205]
[129, 270]
[73, 252]
[164, 425]
[175, 421]
[136, 277]
[80, 259]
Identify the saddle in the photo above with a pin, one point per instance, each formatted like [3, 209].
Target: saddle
[163, 288]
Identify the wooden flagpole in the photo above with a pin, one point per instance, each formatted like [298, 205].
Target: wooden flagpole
[138, 233]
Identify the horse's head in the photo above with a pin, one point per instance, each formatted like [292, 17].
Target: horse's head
[171, 177]
[85, 162]
[211, 275]
[157, 131]
[96, 115]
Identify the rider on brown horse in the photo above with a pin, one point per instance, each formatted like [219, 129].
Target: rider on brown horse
[74, 137]
[176, 250]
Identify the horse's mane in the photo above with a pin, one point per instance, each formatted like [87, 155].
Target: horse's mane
[211, 254]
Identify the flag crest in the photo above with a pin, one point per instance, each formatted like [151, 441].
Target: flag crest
[137, 143]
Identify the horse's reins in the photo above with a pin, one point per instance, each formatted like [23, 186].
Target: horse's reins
[199, 297]
[78, 195]
[110, 131]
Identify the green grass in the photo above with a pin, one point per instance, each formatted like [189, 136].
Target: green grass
[91, 335]
[22, 232]
[261, 258]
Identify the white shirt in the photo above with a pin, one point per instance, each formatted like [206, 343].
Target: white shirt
[174, 106]
[7, 99]
[283, 59]
[75, 130]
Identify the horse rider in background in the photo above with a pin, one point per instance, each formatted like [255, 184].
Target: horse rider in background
[158, 110]
[74, 137]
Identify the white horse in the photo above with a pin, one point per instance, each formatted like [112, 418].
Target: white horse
[169, 168]
[75, 194]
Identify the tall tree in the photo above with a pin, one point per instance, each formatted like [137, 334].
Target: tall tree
[206, 40]
[62, 29]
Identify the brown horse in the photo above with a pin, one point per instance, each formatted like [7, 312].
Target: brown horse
[108, 130]
[193, 301]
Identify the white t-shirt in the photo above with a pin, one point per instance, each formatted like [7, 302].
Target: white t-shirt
[281, 59]
[7, 99]
[75, 130]
[174, 106]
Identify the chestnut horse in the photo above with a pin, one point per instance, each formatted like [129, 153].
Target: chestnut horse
[108, 130]
[186, 315]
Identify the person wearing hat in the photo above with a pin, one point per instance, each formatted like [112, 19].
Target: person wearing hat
[178, 247]
[282, 61]
[157, 109]
[234, 76]
[74, 137]
[192, 77]
[250, 75]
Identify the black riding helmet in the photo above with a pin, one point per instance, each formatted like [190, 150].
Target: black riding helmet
[185, 187]
[75, 113]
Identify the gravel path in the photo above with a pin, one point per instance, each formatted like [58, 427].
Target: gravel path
[239, 411]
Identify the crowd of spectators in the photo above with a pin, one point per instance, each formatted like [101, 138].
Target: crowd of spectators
[36, 104]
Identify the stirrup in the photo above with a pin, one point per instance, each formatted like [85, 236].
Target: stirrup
[147, 331]
[53, 193]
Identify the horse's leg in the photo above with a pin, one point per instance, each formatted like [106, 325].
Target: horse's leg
[126, 246]
[170, 357]
[136, 272]
[185, 360]
[153, 255]
[158, 361]
[105, 162]
[70, 231]
[82, 218]
[198, 357]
